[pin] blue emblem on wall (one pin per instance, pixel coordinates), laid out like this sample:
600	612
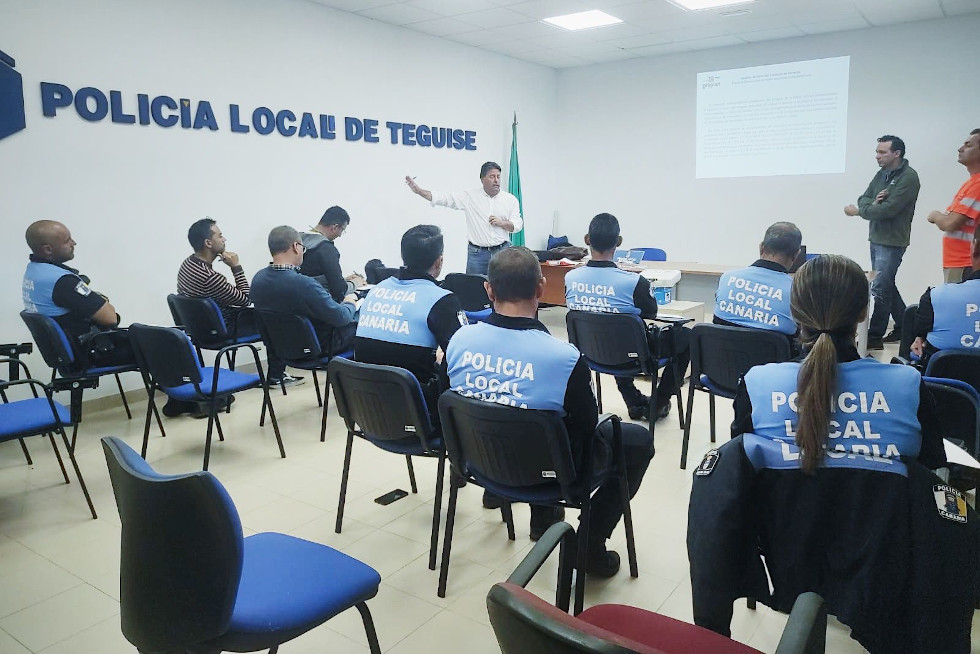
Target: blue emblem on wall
11	98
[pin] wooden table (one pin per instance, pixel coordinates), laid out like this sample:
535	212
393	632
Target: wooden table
698	280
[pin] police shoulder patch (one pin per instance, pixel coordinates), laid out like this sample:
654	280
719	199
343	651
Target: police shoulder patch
82	289
950	502
461	316
708	463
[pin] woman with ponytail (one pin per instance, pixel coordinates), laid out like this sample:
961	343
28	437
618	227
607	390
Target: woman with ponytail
832	400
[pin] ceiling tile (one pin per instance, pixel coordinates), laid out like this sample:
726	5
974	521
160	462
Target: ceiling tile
822	13
823	27
451	7
400	14
497	17
353	5
477	38
753	23
530	29
443	26
610	55
563	39
641	11
617	31
890	14
960	7
770	35
642	41
697	33
539	9
714	42
665	48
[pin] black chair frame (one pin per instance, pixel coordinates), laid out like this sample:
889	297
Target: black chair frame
510	447
201	319
403	415
10	353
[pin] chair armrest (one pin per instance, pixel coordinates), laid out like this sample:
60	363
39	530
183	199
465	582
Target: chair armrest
558	533
228	349
73	383
806	629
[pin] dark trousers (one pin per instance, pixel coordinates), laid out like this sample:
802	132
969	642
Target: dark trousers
660	342
102	349
242	323
885	261
607	503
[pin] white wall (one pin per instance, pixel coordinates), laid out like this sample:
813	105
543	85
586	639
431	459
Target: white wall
629	145
129	192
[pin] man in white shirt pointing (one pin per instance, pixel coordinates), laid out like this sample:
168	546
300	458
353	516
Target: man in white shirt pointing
491	215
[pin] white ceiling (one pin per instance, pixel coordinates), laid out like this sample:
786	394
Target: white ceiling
649	27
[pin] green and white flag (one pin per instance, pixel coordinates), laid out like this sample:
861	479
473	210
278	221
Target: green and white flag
514	182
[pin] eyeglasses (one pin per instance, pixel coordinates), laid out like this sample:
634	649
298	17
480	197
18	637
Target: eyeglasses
302	247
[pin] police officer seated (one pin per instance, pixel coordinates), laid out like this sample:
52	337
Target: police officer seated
758	296
828	477
948	317
602	287
552	376
54	289
405	319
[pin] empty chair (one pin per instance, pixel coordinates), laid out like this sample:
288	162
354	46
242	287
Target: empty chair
617	345
56	350
38	416
202	320
472	294
653	254
526	624
524	455
189	581
956	364
169	364
720	357
385	406
293	339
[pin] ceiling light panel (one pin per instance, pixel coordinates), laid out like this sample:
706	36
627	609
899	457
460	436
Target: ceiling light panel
696	5
583	20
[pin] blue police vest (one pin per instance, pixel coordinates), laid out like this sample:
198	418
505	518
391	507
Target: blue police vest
39	281
397	311
957	316
874	419
756	297
601	290
526	368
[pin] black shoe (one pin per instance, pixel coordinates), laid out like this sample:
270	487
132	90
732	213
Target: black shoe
892	337
875	344
663	411
491	501
602	563
174	408
546	516
639	412
287	381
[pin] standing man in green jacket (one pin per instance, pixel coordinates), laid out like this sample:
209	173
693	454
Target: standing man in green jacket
888	205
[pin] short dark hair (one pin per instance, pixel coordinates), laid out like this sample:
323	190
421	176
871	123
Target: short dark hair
487	167
782	238
335	216
603	232
421	246
898	145
282	238
514	274
199	232
974	132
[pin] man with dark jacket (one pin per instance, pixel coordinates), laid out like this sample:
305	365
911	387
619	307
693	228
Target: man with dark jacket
322	259
888	205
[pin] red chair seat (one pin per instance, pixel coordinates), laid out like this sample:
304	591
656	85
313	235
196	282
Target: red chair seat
660	632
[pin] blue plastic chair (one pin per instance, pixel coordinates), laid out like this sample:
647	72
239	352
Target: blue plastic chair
169	364
202	320
958	405
59	355
653	254
293	340
720	357
36	416
472	295
189	581
385	406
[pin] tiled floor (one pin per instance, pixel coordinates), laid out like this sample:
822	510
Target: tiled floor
59	568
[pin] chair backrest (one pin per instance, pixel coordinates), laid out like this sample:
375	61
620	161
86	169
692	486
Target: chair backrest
526	624
610	340
958	405
508	446
469	289
908	330
165	354
726	353
52	342
290	337
956	364
384	401
653	254
200	318
181	554
376	272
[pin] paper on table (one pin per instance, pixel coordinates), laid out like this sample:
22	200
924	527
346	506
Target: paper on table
955	454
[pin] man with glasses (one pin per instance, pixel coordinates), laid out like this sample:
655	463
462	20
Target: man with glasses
280	287
322	261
